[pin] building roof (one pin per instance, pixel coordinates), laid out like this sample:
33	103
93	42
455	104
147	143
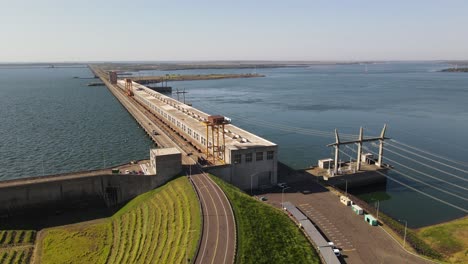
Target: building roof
235	137
165	151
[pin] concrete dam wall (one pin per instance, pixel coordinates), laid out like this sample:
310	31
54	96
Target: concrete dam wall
71	191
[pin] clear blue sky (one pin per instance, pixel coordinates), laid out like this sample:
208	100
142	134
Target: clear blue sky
82	30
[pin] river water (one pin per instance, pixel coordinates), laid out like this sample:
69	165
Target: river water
52	122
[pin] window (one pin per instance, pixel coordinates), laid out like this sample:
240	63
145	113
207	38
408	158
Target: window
259	156
190	131
248	157
237	158
270	155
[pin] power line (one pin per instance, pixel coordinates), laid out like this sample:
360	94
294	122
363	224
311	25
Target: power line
427	165
288	128
423	193
427	184
423	173
416	154
429	153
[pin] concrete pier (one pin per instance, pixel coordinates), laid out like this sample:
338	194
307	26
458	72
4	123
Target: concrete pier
369	174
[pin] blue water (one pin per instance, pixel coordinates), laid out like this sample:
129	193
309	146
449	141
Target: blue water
52	123
422	107
49	118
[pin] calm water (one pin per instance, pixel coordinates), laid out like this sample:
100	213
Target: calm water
49	117
52	123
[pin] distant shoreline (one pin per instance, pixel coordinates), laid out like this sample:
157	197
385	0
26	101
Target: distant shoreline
454	70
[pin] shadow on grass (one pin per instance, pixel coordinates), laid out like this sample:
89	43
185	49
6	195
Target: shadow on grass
36	219
63	213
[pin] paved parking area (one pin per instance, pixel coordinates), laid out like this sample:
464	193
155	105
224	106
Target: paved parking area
359	242
327	227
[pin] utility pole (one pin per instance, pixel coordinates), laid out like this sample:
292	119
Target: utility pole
181	92
404	237
361	140
282	196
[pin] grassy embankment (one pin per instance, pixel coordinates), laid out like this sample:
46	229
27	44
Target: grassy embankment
264	233
160	226
16	246
450	239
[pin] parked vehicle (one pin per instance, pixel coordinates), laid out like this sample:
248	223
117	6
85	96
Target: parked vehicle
358	210
282	185
345	200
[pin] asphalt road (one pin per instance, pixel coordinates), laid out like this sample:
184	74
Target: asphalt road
359	242
218	239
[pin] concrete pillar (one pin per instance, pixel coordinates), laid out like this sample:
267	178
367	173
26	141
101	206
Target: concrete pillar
337	157
359	151
381	145
337	151
379	161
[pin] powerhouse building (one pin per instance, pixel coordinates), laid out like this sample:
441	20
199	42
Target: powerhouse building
241	158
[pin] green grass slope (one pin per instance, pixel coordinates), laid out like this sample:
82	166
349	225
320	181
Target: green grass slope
160	226
265	234
450	239
16	246
77	243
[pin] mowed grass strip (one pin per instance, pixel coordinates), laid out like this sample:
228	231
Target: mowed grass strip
81	243
16	255
450	239
16	237
152	228
265	234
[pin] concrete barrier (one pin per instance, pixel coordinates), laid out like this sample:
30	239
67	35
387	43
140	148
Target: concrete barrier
70	191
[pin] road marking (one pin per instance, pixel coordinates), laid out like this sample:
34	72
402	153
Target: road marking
217	227
217	190
207	223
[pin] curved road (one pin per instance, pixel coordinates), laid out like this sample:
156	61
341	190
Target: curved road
218	241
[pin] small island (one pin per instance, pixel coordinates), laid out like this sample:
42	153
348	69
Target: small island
194	77
455	70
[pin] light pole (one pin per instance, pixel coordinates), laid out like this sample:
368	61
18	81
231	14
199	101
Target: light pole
404	237
346	188
378	206
282	196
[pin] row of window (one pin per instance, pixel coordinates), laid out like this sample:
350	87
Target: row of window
249	156
259	156
176	122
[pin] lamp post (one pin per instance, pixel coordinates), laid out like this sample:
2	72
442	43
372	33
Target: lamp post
282	196
346	188
404	237
378	206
